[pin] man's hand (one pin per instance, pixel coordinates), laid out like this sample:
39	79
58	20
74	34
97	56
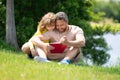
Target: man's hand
64	40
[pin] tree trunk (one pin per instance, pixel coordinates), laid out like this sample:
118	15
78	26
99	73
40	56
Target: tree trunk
10	24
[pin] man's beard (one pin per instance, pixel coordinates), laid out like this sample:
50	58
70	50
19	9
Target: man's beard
62	30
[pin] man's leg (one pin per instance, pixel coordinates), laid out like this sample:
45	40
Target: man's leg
78	57
70	55
56	56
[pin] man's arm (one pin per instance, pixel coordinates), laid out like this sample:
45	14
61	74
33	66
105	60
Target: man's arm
79	42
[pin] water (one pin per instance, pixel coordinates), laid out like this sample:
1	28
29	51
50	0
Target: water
113	42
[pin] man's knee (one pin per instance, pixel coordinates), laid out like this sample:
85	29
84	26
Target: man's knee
78	57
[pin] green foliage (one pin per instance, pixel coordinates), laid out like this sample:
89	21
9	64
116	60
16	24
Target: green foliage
2	20
106	26
111	9
25	30
96	47
75	9
4	46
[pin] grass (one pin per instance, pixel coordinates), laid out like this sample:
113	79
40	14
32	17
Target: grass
15	66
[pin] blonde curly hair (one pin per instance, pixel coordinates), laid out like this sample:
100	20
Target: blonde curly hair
47	19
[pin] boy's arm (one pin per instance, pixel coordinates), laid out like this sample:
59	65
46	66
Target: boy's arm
32	49
31	45
38	41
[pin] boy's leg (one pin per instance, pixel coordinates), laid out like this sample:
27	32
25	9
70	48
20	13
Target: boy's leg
42	55
25	48
40	52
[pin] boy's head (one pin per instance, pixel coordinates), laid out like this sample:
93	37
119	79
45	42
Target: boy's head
47	21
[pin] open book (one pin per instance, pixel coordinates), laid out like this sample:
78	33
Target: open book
58	47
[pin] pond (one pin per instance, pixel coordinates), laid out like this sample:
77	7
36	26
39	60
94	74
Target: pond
113	42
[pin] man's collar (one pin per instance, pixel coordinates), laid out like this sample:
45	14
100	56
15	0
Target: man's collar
67	28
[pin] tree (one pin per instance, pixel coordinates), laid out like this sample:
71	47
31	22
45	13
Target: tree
10	24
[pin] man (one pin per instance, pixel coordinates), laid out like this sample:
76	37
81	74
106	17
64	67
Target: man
69	35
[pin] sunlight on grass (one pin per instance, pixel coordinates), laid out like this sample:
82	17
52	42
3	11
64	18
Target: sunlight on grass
15	66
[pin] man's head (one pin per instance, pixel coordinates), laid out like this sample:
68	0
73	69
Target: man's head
61	21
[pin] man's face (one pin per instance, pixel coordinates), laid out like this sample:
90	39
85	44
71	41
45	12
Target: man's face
61	25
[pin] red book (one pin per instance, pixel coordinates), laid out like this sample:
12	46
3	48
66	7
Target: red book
58	48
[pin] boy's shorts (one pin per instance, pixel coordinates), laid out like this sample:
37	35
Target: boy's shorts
30	56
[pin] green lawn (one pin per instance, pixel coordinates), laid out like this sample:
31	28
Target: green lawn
15	66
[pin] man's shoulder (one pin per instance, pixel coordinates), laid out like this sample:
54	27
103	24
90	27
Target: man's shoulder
74	27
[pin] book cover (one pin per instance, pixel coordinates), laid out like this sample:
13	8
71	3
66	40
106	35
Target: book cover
58	48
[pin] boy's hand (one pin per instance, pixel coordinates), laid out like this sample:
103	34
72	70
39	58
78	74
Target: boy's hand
33	51
47	48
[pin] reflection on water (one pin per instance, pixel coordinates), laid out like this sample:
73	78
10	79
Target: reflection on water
113	42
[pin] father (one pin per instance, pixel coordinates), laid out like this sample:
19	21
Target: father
70	35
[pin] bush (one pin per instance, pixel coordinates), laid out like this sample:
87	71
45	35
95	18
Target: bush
4	46
96	47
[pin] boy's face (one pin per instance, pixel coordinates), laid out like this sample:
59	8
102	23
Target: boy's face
50	27
61	25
